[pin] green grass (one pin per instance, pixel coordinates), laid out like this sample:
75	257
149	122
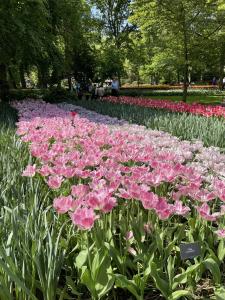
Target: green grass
168	93
204	99
186	126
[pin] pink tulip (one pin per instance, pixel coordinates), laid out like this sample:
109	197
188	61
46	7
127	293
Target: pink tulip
204	212
203	195
129	235
29	171
132	251
108	204
63	204
45	170
55	182
220	233
79	190
163	209
83	217
179	209
124	194
149	200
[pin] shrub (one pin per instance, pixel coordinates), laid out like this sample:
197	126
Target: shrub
56	95
21	94
52	95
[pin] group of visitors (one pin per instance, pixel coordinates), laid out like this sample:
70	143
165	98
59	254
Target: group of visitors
214	82
94	91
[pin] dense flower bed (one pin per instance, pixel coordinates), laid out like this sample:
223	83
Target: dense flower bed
194	108
98	167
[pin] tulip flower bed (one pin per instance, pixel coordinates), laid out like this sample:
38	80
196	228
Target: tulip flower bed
210	131
194	108
124	199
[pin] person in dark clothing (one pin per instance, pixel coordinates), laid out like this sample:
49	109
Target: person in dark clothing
93	92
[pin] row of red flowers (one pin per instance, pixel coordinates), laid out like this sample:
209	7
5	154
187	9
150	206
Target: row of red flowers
194	108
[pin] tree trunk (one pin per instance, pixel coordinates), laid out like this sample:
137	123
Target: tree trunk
39	79
169	77
55	78
185	85
59	84
69	83
221	67
42	82
12	79
4	87
119	79
138	79
178	77
189	78
22	77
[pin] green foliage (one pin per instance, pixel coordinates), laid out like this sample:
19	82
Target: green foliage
23	94
178	38
45	36
114	17
110	62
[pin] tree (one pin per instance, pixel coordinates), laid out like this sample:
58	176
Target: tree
185	22
136	57
110	62
113	15
25	36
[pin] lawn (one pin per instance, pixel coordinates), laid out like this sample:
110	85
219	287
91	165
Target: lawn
208	96
203	99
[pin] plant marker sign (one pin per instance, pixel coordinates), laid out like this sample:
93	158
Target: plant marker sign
190	250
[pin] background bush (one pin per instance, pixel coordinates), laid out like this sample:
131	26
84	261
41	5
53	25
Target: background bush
57	95
52	95
20	94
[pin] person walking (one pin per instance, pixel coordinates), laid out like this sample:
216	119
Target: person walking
214	81
115	87
100	92
93	92
223	83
